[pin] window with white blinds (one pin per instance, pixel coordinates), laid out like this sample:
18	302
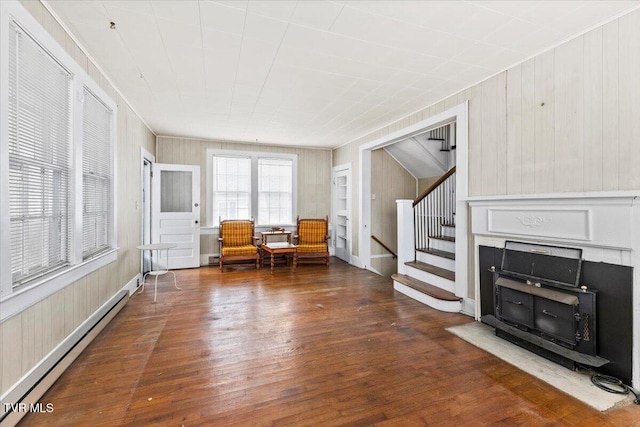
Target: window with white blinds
39	128
248	184
275	191
97	214
57	150
231	187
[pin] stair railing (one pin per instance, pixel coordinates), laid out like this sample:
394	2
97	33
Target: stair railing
435	207
381	243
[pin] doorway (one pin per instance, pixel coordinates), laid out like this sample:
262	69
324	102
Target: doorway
341	198
459	115
147	166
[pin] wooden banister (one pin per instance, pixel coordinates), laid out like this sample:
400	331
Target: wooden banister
433	186
384	246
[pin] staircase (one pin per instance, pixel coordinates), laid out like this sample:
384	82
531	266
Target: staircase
428	275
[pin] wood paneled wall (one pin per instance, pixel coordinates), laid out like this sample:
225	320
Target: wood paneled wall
30	335
389	182
563	121
424	183
314	175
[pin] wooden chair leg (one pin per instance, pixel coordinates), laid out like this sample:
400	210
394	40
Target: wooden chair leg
220	264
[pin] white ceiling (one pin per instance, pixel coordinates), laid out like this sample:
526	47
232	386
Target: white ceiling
309	73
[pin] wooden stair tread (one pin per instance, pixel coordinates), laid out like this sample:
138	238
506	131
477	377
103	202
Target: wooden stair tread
438	252
445	238
425	288
433	269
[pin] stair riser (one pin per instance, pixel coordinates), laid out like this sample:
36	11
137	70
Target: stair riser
438	261
448	306
449	231
433	279
442	245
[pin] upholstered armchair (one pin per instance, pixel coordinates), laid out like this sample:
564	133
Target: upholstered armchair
311	240
237	241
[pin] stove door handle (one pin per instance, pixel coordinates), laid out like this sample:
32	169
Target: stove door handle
514	302
548	313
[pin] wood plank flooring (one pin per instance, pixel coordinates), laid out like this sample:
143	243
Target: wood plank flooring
321	346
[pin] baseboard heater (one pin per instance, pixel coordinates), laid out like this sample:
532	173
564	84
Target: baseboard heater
34	384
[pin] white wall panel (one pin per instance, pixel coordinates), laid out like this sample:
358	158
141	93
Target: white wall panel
568	89
593	145
629	90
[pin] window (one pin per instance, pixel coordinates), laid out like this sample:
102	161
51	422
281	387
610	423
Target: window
251	184
97	221
39	125
57	217
275	191
231	187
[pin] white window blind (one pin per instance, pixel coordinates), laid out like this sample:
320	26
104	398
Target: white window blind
97	217
275	191
39	127
231	187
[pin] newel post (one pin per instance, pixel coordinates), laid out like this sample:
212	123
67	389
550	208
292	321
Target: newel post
406	243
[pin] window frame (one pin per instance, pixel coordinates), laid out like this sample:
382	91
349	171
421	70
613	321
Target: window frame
111	236
14	300
254	156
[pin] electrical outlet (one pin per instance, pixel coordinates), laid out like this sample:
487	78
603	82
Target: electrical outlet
373	196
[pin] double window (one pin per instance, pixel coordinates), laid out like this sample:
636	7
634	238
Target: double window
250	184
59	157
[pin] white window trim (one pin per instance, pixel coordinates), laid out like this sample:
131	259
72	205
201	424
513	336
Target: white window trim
78	119
14	300
254	155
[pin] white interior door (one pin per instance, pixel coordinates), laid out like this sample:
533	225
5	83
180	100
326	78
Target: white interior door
342	212
175	216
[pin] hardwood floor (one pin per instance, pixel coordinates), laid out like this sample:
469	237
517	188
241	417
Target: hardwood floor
321	346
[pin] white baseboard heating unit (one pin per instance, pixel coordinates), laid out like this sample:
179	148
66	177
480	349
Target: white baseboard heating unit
24	395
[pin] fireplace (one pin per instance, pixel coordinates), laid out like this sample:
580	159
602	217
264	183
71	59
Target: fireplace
560	275
539	305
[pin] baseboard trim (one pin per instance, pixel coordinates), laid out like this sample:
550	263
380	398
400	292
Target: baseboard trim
133	284
355	261
469	307
32	386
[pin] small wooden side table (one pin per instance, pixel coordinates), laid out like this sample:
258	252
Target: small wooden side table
285	248
267	234
277	234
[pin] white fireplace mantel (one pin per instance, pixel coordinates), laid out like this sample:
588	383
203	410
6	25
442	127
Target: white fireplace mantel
605	225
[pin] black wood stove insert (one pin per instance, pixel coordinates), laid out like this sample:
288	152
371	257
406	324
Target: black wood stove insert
539	305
